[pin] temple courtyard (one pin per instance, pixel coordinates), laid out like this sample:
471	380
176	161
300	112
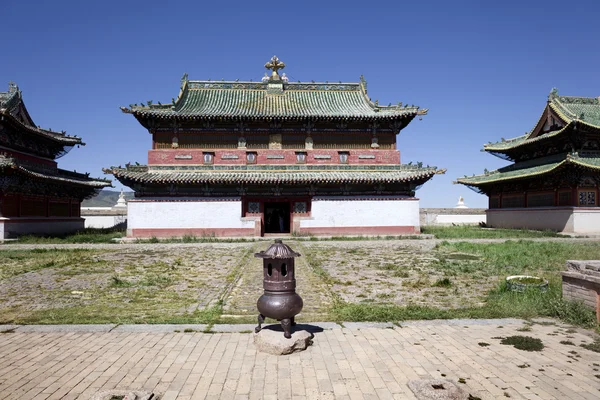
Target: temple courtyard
97	321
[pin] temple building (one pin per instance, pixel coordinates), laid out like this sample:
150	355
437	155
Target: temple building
553	181
233	158
35	195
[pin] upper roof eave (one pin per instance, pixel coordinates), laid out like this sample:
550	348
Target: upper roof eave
180	109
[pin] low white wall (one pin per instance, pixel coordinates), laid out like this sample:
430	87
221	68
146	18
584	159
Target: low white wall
353	211
586	220
560	219
103	221
189	213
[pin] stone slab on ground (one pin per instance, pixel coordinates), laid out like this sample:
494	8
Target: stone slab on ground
501	321
168	328
437	389
233	328
128	393
65	328
273	342
364	325
8	328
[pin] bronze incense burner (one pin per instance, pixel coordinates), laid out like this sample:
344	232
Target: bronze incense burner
280	300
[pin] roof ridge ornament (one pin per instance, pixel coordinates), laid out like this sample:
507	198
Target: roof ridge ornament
274	64
12	87
553	94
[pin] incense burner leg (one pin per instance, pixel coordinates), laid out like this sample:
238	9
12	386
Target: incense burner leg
261	320
293	321
286	324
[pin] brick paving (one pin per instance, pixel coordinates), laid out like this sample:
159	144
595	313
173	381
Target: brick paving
361	361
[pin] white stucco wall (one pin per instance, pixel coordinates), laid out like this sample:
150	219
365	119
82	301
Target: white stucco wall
103	221
586	220
555	219
353	211
186	214
563	219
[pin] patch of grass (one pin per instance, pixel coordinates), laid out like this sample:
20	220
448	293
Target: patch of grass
518	257
88	235
567	343
476	232
117	282
483	344
526	343
445	282
17	262
524	365
524	329
500	303
595	346
462	380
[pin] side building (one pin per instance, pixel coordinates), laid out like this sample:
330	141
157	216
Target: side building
554	179
273	157
35	195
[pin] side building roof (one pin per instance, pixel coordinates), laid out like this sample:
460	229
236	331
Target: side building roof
531	169
582	111
10	165
13	110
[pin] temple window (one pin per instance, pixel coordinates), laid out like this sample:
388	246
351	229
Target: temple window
587	198
251	158
343	157
514	201
208	158
540	200
564	198
253	207
300	207
300	157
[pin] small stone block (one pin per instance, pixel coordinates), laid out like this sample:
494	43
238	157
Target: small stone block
273	342
437	389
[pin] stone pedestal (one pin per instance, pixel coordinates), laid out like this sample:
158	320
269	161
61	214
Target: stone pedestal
581	282
273	342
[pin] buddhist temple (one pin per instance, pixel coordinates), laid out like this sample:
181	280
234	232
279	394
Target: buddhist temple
37	197
553	180
273	157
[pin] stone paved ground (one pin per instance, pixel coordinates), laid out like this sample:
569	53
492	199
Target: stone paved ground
361	361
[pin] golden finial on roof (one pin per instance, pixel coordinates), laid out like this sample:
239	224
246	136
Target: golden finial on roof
275	65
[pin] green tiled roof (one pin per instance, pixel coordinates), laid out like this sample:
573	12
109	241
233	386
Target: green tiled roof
12	101
572	110
531	168
277	175
50	174
254	100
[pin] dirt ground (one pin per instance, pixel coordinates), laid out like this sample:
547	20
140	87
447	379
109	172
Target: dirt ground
160	282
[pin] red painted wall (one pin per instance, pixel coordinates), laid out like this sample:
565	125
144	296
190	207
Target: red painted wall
168	157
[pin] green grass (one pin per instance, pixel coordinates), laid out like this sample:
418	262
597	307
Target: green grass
516	257
526	343
140	312
88	235
476	232
500	303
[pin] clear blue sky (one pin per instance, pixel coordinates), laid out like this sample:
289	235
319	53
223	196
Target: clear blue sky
484	69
